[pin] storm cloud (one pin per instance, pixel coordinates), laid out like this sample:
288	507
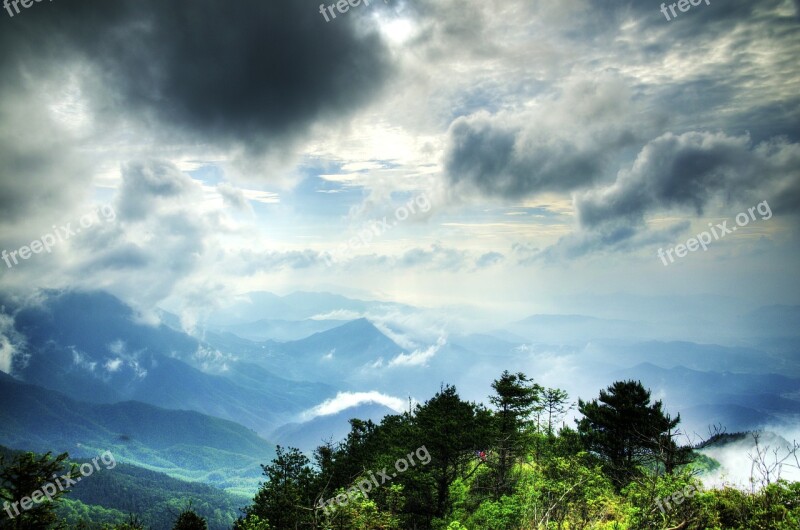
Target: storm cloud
688	171
242	74
565	143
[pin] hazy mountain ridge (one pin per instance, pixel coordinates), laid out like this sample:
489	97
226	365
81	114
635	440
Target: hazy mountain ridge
89	346
297	306
309	435
279	330
229	376
184	444
112	494
737	401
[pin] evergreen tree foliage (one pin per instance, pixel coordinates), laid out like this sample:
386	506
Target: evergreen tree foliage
515	399
627	432
188	520
286	500
21	483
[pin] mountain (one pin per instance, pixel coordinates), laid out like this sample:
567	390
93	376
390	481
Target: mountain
263	305
309	435
577	329
487	345
279	330
335	354
92	347
117	490
778	321
696	356
738	401
183	444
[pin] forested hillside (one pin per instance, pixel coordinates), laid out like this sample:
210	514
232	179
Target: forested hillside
450	464
111	496
181	443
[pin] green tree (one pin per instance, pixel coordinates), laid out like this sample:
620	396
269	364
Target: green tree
31	479
188	520
286	500
452	430
515	399
627	432
340	464
362	513
251	522
555	405
133	523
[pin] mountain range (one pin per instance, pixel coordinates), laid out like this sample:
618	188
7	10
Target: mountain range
182	443
126	381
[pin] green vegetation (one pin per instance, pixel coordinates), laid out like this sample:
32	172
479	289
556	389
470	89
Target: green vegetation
185	445
507	467
510	468
26	477
110	496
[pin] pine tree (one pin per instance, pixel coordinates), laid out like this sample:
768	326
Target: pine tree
188	520
133	523
25	480
627	431
452	431
555	404
516	397
286	499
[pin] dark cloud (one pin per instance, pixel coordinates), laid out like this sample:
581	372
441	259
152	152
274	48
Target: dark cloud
246	74
160	252
688	171
159	233
39	169
124	257
488	155
146	184
603	22
749	88
450	27
564	144
610	237
234	197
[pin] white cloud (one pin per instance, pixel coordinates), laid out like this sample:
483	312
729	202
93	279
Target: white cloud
736	460
418	357
339	314
113	365
346	400
117	347
82	361
398	338
211	360
7	348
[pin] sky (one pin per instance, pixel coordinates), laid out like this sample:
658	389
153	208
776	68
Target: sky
519	157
